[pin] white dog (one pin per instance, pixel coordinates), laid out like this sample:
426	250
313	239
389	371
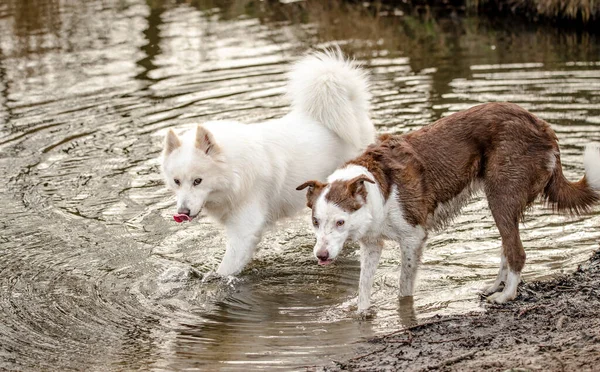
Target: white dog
245	176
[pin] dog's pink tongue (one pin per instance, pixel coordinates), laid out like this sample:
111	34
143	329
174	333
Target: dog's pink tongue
180	217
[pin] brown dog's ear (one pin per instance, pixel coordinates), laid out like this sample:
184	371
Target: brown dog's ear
171	142
314	190
356	186
205	141
307	184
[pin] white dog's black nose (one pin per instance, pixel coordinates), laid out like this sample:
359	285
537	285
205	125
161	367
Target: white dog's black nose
185	211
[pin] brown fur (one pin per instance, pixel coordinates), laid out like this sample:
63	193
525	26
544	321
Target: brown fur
349	195
314	190
564	195
501	145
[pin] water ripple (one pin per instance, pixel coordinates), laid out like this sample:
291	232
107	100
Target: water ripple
94	273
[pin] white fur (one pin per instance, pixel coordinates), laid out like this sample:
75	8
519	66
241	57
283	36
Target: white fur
348	172
412	243
501	278
330	237
370	253
510	289
250	179
591	162
332	91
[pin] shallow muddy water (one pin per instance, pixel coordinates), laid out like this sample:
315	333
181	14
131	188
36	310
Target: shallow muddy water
95	275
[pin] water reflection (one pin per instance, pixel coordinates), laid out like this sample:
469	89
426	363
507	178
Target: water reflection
35	24
406	311
94	275
6	112
152	35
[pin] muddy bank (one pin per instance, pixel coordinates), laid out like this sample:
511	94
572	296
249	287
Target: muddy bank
552	326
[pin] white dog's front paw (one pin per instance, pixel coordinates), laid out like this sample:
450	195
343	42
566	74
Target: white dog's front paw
364	310
231	280
211	276
365	314
350	305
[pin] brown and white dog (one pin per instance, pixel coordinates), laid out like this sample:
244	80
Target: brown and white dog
403	186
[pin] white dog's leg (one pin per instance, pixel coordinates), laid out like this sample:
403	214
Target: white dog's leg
370	253
244	232
502	274
412	248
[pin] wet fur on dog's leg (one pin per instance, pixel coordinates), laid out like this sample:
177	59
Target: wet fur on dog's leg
510	289
506	212
411	247
243	234
501	278
512	248
370	253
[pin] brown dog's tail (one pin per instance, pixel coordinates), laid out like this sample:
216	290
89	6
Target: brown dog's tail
576	197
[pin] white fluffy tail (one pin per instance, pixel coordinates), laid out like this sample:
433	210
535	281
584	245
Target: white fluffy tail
334	92
591	162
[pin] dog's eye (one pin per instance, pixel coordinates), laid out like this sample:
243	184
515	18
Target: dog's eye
176	181
197	181
315	222
340	223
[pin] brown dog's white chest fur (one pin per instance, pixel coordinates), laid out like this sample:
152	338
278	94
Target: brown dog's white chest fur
403	186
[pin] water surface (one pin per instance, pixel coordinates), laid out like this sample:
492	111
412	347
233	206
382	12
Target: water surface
94	274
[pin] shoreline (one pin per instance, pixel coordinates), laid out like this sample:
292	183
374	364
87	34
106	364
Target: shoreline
559	13
552	325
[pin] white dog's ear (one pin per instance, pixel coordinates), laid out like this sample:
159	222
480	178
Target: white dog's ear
171	142
205	141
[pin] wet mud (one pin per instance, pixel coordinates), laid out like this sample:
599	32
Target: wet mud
553	326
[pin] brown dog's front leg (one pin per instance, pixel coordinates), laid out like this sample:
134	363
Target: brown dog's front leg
411	246
370	253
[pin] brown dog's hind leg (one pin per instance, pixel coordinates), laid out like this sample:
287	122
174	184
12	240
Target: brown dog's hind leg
516	171
506	209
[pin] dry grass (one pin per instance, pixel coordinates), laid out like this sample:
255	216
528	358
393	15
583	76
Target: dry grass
581	11
364	29
584	11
